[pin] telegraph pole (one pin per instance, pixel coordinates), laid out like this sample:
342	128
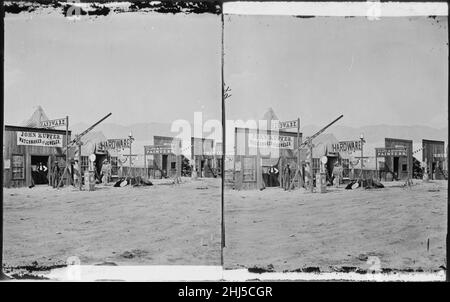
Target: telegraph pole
130	164
362	158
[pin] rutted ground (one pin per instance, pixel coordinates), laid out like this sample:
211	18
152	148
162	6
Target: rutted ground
157	225
286	231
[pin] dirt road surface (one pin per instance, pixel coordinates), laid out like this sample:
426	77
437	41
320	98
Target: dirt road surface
156	225
389	228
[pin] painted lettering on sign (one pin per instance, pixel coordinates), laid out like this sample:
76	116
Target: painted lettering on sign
114	144
25	138
53	123
382	152
347	146
439	155
271	141
158	150
284	125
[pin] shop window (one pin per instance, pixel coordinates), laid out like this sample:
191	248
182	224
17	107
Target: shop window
18	167
114	166
249	169
84	163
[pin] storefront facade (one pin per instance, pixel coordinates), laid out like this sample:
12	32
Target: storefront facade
261	157
433	156
30	153
399	164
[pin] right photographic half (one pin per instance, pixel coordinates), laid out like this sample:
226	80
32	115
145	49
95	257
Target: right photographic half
336	142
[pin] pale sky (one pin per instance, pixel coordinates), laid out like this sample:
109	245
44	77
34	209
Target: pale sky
390	71
142	67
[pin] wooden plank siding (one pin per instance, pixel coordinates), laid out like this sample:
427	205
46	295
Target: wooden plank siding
11	148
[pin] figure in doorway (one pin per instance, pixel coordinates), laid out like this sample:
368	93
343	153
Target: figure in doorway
55	175
286	177
337	174
105	172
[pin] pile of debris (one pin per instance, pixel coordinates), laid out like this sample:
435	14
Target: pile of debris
364	183
133	181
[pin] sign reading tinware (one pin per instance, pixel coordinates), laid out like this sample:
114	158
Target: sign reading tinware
54	123
270	141
347	146
25	138
382	152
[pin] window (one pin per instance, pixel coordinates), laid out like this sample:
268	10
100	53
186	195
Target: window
114	166
404	167
18	167
173	165
249	169
84	163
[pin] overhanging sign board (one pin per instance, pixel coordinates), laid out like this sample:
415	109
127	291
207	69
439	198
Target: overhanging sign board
439	155
270	141
54	123
382	152
114	144
26	138
149	150
284	125
347	146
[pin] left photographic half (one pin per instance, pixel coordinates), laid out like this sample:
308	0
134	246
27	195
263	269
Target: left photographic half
112	142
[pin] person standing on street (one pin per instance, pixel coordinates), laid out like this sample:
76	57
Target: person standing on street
55	175
287	177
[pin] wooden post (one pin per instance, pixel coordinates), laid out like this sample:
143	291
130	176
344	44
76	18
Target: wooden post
79	167
376	165
145	163
67	149
311	170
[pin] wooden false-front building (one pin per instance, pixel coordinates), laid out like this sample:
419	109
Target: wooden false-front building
261	156
433	156
401	166
29	154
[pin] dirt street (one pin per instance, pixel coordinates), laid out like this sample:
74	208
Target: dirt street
157	225
286	231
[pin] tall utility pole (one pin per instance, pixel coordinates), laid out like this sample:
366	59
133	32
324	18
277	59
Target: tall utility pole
299	166
67	149
362	158
222	238
130	164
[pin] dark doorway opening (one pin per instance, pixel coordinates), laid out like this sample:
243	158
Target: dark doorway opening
99	158
396	168
271	176
164	165
39	169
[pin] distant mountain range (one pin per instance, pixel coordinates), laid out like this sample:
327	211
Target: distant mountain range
141	131
376	133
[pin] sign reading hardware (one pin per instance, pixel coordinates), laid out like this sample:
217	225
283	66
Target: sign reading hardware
25	138
114	144
347	146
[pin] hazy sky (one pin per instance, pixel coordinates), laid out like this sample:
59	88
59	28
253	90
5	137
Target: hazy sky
142	67
389	71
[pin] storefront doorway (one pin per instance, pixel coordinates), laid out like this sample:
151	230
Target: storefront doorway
40	169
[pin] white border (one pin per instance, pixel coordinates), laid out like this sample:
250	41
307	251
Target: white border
171	273
368	9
